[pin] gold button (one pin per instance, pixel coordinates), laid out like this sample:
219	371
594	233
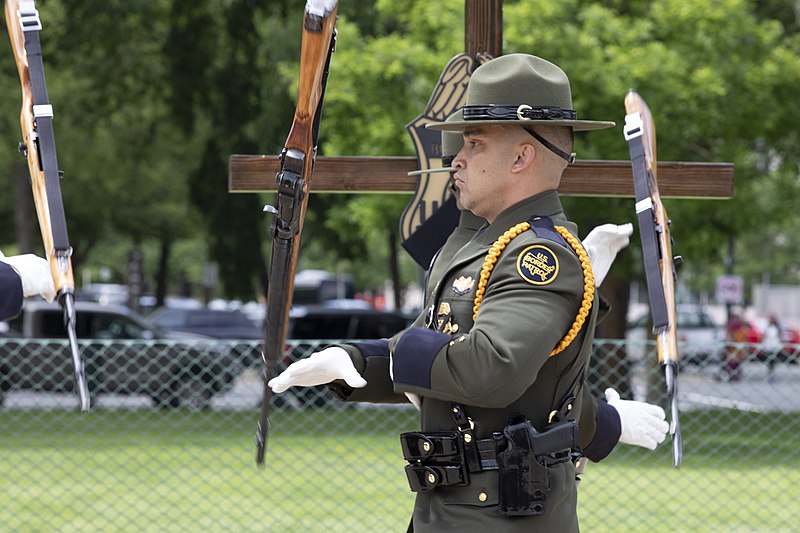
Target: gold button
467	438
431	479
426	446
482	496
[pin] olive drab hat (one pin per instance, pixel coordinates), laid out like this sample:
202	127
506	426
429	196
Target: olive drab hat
519	89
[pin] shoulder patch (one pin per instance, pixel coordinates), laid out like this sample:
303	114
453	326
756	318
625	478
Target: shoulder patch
537	264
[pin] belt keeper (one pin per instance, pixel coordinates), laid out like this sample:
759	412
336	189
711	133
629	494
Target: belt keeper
465	429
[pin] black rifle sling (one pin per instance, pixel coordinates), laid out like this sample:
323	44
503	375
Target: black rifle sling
647	232
45	137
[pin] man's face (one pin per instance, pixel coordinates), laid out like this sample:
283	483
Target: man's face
483	169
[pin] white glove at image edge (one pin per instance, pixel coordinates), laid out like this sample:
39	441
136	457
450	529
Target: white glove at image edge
34	271
642	424
320	368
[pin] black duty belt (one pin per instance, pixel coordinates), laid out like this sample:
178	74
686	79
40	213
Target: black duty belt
446	458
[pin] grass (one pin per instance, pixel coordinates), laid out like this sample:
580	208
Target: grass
341	470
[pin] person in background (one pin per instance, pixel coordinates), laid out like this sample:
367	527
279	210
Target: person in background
736	333
22	276
772	345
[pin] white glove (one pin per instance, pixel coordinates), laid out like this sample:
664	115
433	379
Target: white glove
35	274
643	424
603	244
321	367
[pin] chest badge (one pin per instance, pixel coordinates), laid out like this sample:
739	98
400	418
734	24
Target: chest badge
463	285
444	320
537	264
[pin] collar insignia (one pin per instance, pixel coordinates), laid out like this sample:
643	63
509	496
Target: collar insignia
463	285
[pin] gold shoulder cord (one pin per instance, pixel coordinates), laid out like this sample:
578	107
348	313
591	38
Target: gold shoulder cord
588	278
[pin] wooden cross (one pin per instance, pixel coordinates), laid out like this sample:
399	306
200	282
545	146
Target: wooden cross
483	33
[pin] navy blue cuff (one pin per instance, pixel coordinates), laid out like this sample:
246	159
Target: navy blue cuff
414	354
607	432
376	348
11	292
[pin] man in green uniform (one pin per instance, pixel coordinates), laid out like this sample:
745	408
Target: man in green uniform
614	420
500	357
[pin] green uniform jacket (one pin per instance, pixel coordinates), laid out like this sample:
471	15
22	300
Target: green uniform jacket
497	365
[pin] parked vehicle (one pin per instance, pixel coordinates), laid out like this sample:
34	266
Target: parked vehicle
699	337
344	319
122	352
228	324
216	323
318	286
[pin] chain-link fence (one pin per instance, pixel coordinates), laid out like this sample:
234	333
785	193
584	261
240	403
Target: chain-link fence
168	445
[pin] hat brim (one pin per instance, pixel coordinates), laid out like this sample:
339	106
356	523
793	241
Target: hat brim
576	125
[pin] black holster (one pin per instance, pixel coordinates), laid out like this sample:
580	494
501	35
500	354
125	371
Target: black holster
525	464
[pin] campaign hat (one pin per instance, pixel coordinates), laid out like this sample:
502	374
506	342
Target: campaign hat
519	89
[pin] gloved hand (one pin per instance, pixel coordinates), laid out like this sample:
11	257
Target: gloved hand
603	244
321	367
35	274
643	424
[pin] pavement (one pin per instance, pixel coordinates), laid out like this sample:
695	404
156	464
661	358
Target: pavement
698	388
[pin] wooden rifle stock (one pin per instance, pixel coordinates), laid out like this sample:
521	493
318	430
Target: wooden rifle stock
654	230
293	184
38	144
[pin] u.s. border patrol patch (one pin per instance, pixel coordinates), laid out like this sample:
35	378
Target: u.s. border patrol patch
537	264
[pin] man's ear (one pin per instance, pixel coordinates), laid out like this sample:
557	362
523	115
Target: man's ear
526	154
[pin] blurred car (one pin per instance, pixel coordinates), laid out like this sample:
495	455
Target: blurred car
229	324
699	337
122	353
344	320
317	286
104	293
217	323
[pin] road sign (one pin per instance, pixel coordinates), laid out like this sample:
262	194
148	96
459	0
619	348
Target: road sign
730	289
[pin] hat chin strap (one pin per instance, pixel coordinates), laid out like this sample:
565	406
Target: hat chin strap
569	158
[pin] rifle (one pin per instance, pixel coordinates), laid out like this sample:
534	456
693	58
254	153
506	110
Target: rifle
659	264
293	184
38	145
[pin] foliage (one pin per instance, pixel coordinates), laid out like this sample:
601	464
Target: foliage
145	123
718	78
